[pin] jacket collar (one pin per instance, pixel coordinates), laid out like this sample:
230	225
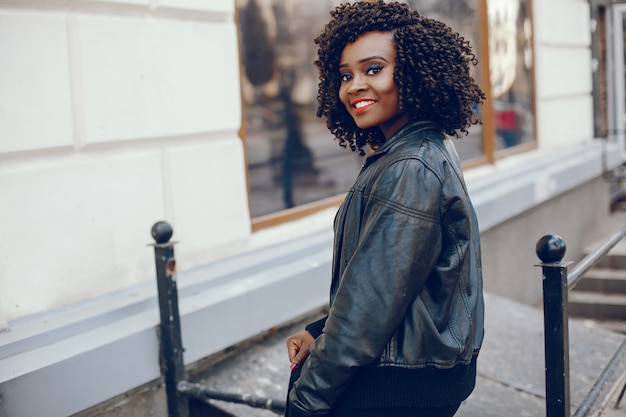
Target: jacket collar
408	129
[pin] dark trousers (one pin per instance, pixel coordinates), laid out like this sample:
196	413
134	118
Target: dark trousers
381	412
398	412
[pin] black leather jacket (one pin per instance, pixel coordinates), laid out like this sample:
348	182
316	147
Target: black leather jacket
406	307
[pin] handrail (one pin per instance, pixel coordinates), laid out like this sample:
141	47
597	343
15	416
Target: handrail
594	257
556	287
595	391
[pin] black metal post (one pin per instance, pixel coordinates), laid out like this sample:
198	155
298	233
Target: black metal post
171	347
550	249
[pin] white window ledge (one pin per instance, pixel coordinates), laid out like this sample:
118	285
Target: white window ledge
516	184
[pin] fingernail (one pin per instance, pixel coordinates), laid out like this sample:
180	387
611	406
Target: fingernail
293	366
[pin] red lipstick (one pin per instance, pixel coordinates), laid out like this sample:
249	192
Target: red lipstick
362	104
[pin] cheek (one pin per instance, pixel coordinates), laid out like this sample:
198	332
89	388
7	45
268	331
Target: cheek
391	95
387	87
343	95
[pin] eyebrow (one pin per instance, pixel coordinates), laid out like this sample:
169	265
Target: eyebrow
369	58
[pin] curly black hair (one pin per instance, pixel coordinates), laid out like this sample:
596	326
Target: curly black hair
432	70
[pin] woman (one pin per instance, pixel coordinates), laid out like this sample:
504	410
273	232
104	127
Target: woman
405	322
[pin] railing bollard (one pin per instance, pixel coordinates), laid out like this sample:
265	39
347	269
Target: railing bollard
551	249
171	349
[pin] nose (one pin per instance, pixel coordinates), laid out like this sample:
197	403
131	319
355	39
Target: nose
357	85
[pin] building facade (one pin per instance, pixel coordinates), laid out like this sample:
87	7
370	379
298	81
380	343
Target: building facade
115	114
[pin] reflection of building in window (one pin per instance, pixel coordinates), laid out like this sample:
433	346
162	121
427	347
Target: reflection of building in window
463	17
292	159
510	63
502	44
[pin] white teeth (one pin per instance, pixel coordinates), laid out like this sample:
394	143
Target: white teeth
363	103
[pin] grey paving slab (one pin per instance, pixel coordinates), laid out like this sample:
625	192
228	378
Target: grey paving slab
495	399
513	351
511	365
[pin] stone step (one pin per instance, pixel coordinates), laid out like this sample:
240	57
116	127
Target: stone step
603	280
617	326
615	259
597	305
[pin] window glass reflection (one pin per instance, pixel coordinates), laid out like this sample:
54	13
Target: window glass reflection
463	17
511	62
292	158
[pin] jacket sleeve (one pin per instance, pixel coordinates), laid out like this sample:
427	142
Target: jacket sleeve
316	327
399	241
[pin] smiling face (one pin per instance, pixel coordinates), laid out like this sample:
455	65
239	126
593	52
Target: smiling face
367	87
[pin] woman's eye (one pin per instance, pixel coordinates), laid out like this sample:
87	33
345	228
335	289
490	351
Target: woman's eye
373	69
345	77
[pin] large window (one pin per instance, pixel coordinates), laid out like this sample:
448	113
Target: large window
294	165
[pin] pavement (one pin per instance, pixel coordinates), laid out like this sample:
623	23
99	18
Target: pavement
511	376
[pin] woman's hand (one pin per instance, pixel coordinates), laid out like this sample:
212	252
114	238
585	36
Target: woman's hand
298	347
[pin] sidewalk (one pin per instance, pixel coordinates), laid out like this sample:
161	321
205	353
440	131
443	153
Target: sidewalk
510	367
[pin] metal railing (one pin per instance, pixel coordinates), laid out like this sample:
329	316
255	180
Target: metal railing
556	286
182	396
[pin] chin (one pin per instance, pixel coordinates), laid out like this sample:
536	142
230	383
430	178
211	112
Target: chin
363	126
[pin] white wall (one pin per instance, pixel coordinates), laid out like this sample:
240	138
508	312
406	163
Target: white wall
114	115
563	81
